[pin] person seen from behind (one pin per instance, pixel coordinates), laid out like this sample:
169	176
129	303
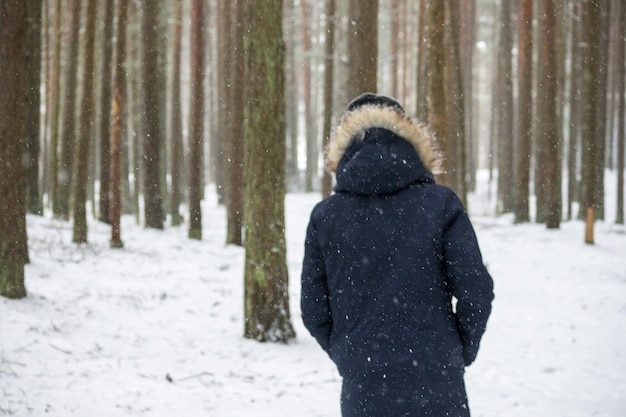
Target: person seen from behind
385	256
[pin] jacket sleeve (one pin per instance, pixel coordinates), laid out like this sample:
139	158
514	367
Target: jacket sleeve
314	297
468	278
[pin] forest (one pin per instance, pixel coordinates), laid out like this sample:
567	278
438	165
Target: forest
117	107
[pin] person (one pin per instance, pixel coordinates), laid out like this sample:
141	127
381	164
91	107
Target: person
385	256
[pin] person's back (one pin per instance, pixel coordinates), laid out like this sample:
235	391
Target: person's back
384	256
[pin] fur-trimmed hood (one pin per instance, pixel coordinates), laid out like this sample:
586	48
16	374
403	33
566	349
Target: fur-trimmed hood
385	133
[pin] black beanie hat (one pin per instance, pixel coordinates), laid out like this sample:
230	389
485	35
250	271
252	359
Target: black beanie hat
371	98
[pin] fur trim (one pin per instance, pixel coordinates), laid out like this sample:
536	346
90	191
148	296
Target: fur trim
353	125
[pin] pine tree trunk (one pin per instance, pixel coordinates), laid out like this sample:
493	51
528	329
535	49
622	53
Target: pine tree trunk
85	130
548	94
105	112
176	121
152	140
13	88
455	103
329	50
54	105
590	37
362	50
33	75
435	21
620	109
574	111
61	205
235	206
117	116
267	316
503	137
196	118
524	111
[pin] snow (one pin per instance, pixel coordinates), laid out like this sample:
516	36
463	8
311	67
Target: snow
155	329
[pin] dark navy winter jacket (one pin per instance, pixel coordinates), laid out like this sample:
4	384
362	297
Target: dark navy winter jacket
386	254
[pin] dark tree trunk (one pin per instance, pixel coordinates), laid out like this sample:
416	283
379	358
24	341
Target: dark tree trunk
85	130
33	79
503	106
435	22
196	118
235	203
524	111
362	51
176	121
152	140
548	94
61	205
620	109
589	91
13	88
105	113
329	50
455	104
267	313
117	116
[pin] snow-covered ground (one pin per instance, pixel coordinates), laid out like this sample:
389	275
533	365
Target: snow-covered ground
155	329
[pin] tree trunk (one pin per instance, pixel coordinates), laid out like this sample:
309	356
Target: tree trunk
13	89
291	91
152	140
574	111
85	130
61	205
455	104
548	94
267	316
176	121
421	105
235	205
196	119
503	137
524	111
54	105
33	100
435	21
620	109
117	116
589	89
105	113
329	51
362	50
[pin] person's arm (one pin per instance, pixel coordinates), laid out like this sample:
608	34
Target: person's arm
468	278
314	298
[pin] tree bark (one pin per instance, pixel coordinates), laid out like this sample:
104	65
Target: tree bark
33	100
61	205
589	90
152	140
503	137
105	114
117	116
267	316
176	121
524	111
620	109
196	119
552	140
85	130
329	51
235	203
455	104
435	22
362	50
13	89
